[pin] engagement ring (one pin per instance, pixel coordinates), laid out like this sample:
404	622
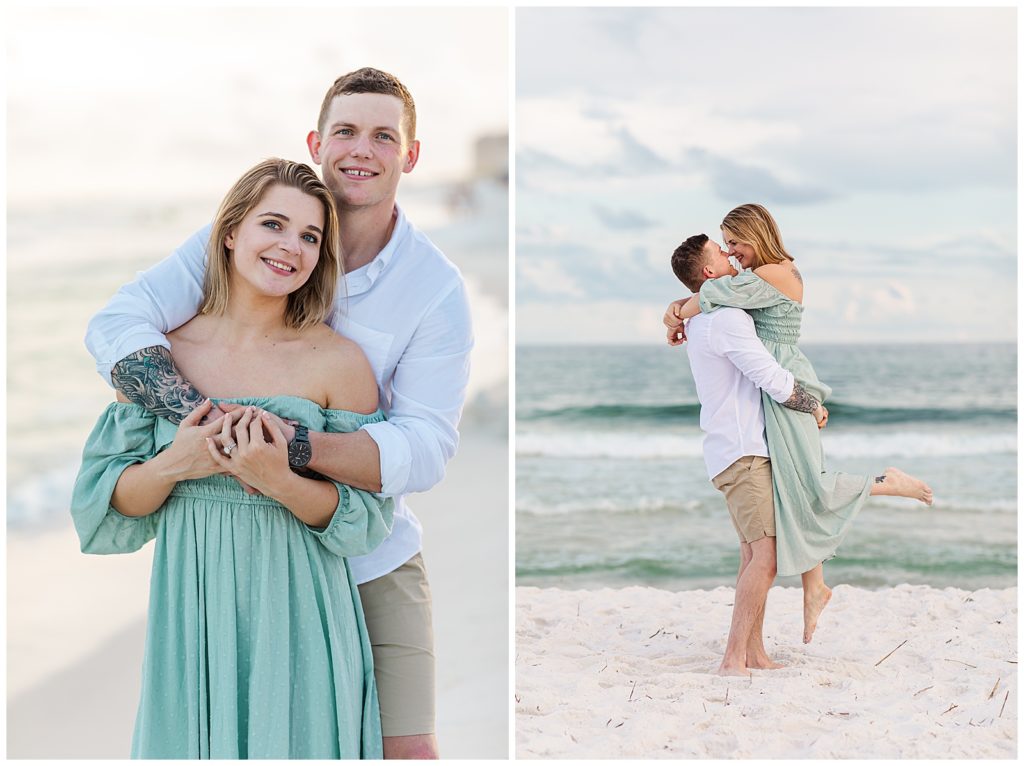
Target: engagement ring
228	448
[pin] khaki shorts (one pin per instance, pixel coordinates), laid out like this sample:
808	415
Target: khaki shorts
747	486
398	619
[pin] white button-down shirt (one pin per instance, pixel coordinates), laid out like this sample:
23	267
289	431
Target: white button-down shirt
730	366
407	310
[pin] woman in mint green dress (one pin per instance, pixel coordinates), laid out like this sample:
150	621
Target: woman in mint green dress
255	645
814	507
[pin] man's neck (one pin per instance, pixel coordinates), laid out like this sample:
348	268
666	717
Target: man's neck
364	232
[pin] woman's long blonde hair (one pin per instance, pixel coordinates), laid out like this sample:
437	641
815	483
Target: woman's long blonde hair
753	225
310	304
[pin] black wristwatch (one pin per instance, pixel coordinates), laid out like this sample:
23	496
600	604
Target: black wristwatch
300	452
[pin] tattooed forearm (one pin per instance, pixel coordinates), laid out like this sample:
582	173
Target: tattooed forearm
149	378
801	400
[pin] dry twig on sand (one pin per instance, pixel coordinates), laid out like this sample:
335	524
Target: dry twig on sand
890	654
994	688
1004	703
961	662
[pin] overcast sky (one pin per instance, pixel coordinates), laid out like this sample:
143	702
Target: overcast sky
124	101
882	140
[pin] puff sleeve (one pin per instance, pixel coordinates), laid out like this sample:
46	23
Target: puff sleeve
746	290
123	436
362	519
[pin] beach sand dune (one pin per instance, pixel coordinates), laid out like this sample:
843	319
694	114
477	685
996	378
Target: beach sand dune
904	672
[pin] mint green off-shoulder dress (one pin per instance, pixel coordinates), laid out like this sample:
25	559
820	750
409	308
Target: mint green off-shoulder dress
814	508
256	645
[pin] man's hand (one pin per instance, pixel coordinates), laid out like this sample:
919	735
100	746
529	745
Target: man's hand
676	332
676	335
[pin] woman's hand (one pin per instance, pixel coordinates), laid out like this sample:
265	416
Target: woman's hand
821	415
187	457
249	457
287	426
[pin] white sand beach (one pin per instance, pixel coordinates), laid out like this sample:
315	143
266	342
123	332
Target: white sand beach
76	624
904	672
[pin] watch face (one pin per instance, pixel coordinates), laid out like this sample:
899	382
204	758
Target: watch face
299	453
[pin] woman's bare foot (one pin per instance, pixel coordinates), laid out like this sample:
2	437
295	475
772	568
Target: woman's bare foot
898	484
814	603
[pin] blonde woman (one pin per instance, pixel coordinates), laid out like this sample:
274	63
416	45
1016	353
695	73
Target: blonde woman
814	508
256	645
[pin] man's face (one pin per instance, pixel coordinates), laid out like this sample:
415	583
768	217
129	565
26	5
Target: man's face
363	149
716	261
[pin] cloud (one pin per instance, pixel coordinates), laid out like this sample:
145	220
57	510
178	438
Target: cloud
602	111
547	278
940	114
609	270
603	321
623	219
636	156
891	300
534	159
732	181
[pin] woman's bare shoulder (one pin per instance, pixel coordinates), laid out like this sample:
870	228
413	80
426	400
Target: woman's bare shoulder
784	277
342	371
194	331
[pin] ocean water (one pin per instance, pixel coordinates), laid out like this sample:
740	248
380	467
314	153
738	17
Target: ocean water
611	487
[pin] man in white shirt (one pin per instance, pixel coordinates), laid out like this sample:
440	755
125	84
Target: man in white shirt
405	305
730	367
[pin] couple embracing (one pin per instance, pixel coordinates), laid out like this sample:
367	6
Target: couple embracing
761	413
283	380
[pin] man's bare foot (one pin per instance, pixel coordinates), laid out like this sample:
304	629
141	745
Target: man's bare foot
762	662
731	670
814	603
899	484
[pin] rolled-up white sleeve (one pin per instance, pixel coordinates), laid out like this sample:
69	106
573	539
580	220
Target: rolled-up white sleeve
428	391
737	340
160	299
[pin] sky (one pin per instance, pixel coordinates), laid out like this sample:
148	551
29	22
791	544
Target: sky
883	141
123	101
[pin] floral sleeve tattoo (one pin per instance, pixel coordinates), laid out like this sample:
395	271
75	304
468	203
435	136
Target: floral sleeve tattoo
149	378
801	400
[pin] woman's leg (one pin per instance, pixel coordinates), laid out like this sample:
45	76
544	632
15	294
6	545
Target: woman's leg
816	596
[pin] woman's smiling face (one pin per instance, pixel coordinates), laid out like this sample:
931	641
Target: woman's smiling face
743	251
277	245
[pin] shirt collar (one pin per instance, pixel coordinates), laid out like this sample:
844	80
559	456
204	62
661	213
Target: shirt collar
362	279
